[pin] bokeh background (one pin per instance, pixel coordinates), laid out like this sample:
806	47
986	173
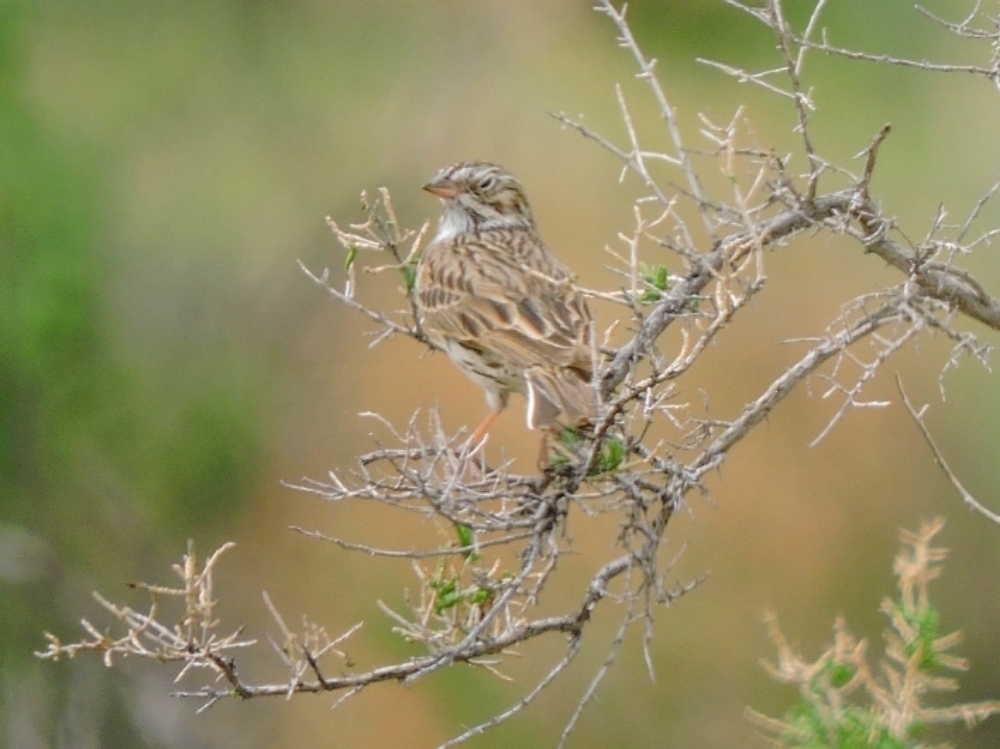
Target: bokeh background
165	365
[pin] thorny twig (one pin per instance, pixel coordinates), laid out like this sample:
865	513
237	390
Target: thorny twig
918	419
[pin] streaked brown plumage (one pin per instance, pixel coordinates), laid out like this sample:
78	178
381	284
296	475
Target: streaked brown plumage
500	304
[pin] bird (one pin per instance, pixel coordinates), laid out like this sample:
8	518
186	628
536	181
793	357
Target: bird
492	295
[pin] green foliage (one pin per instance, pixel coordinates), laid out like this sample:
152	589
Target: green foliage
610	457
841	674
449	593
844	704
466	539
926	627
655	278
352	255
573	442
409	271
855	729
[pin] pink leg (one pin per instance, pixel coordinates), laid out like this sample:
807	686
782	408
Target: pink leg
480	434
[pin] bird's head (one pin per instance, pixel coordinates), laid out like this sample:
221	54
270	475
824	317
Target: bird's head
479	196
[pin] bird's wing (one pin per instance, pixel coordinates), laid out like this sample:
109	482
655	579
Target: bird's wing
528	314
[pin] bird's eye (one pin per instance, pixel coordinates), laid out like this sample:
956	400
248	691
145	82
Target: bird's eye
488	183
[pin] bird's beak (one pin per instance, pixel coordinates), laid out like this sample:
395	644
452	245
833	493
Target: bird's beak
442	187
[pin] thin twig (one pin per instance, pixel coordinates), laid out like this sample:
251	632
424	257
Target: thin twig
918	418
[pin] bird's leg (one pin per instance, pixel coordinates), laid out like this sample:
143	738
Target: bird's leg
543	450
480	434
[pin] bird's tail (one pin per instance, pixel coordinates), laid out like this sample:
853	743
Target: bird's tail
562	392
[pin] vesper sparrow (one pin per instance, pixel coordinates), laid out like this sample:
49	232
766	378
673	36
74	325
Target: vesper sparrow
501	305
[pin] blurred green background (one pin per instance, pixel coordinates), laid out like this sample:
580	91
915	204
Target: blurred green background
164	364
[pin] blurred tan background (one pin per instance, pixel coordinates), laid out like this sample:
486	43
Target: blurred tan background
164	364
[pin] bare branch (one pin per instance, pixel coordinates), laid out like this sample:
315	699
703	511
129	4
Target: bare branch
918	419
